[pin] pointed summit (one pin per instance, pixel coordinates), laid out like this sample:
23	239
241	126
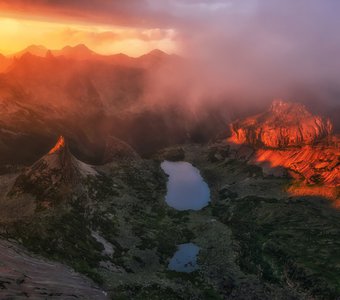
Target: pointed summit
80	51
55	172
157	52
59	146
36	50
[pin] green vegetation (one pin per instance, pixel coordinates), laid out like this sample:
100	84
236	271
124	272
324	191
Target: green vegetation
267	247
293	241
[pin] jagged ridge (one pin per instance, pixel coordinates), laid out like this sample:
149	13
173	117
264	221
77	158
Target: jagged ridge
285	124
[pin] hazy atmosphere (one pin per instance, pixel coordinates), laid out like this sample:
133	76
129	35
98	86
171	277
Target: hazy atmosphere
170	149
282	49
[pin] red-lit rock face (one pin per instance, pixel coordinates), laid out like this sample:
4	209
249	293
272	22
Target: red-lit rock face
58	146
314	165
285	124
315	169
289	136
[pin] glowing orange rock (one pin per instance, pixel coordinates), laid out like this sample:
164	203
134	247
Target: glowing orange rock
285	124
288	136
317	165
58	146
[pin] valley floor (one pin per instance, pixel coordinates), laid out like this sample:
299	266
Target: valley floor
256	241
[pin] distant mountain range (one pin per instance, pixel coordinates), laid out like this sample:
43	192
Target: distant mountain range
82	52
89	97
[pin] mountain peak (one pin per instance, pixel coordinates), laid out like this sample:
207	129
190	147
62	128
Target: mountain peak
117	150
77	47
60	145
36	47
156	52
80	49
285	124
37	50
279	106
52	173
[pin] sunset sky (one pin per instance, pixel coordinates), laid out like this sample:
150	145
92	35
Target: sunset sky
105	26
137	26
252	45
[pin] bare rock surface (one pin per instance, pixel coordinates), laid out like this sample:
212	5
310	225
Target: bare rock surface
285	124
23	276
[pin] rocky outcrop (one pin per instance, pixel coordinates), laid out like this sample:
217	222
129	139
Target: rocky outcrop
285	124
55	171
23	275
319	164
117	150
288	139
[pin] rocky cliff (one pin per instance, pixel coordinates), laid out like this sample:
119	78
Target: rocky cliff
54	173
285	124
289	138
319	164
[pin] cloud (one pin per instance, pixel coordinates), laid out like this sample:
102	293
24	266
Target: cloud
250	52
101	37
267	49
138	13
253	50
126	13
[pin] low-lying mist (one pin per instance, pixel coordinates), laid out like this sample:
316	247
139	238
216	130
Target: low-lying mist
247	53
235	57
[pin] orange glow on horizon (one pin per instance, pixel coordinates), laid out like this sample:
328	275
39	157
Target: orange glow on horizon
18	33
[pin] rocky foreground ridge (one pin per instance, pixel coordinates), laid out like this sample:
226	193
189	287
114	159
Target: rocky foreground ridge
23	276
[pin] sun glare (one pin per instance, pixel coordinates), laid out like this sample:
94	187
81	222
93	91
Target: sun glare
17	34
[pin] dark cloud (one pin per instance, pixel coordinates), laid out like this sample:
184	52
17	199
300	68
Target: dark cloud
127	12
165	13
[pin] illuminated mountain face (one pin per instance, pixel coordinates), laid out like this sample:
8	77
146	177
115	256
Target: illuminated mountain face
285	124
289	136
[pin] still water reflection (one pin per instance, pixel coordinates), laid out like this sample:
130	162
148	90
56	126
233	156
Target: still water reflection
186	188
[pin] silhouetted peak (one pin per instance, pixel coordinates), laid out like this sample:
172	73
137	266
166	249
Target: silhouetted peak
36	50
157	52
78	49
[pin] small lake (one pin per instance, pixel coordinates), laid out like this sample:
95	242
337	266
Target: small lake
185	259
186	188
